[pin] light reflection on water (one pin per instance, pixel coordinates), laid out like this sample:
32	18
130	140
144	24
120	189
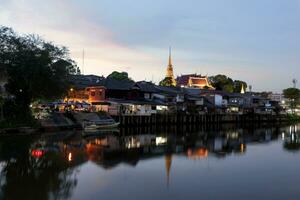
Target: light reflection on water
147	163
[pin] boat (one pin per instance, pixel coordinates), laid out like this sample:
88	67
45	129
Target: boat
100	123
95	126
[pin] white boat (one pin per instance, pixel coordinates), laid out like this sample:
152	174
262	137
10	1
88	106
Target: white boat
95	127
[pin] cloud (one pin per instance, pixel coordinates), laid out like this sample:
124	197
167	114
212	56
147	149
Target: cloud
244	39
65	24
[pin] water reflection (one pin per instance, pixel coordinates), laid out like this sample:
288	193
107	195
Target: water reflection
47	167
23	174
291	137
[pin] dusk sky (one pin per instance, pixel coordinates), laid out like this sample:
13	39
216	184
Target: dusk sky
257	41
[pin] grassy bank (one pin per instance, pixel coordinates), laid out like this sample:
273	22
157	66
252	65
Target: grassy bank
293	118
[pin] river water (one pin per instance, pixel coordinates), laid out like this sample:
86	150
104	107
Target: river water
225	162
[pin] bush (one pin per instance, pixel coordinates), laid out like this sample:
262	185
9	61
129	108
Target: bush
16	116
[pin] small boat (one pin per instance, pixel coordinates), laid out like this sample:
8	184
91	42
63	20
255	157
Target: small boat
95	126
93	122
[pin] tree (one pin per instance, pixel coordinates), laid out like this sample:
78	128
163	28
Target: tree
222	82
238	86
293	94
1	108
121	76
228	88
166	82
36	69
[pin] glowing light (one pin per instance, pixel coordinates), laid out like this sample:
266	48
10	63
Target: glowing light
160	140
197	154
70	157
37	153
242	147
282	135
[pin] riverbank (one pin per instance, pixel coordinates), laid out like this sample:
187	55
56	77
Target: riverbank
69	121
199	119
293	118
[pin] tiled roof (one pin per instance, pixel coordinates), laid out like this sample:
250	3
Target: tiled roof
83	81
168	90
113	84
198	81
146	86
184	79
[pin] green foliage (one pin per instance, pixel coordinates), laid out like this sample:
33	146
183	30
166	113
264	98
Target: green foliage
16	115
293	118
228	88
238	86
293	94
224	83
166	82
122	76
1	108
35	69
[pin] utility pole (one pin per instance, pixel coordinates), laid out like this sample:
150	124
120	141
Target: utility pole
82	62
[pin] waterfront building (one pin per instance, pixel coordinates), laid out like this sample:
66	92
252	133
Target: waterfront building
87	89
279	97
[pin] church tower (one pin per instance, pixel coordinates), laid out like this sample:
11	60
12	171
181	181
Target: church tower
170	73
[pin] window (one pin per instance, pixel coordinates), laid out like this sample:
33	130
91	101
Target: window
147	96
93	94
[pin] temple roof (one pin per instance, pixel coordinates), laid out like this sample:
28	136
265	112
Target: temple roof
198	81
192	79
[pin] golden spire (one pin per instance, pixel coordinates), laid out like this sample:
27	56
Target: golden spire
170	73
170	58
242	89
168	162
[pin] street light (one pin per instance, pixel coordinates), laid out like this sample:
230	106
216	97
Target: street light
71	94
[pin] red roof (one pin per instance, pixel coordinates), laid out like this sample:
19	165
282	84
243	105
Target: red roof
184	79
198	81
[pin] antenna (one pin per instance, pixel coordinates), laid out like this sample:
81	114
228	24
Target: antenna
82	62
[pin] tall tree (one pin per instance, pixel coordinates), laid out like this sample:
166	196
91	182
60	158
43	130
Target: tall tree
238	86
36	69
222	82
293	94
166	82
225	83
121	76
1	108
